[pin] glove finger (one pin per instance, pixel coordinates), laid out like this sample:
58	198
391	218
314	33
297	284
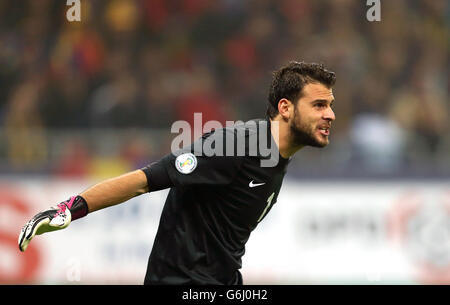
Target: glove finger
29	231
39	220
21	240
34	224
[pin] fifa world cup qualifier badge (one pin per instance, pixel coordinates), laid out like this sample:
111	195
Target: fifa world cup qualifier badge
186	163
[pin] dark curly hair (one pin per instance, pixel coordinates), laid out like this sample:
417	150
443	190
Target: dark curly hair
288	82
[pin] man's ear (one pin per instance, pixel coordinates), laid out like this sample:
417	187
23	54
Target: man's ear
285	109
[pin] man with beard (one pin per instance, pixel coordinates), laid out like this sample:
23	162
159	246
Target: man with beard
215	201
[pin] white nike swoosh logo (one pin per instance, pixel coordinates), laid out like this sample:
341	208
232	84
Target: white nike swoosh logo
251	184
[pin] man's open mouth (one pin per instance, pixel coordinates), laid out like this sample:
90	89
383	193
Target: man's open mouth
324	131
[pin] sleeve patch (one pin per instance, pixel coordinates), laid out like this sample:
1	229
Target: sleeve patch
186	163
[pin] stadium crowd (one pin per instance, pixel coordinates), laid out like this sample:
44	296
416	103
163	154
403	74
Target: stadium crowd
143	64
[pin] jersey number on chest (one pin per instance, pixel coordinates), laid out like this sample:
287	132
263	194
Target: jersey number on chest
269	202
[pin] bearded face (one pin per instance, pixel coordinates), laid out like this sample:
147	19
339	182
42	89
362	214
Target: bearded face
304	133
311	123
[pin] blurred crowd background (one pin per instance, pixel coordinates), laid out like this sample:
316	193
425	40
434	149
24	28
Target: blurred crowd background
98	97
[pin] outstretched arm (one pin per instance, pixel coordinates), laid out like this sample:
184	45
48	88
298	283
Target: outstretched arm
104	194
115	190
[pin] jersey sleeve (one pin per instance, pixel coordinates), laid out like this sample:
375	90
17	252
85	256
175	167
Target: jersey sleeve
157	177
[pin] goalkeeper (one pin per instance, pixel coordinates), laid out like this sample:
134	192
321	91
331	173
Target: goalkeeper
214	201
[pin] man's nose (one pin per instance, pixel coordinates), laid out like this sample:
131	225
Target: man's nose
329	114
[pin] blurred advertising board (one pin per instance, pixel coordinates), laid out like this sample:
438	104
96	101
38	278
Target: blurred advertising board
323	232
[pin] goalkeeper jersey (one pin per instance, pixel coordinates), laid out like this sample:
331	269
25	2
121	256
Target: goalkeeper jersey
214	203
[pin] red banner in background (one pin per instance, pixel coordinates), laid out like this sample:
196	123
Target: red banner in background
15	267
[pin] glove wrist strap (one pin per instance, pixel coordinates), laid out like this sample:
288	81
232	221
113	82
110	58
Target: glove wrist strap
77	206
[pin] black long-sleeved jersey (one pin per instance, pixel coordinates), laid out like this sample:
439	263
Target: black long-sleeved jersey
213	205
